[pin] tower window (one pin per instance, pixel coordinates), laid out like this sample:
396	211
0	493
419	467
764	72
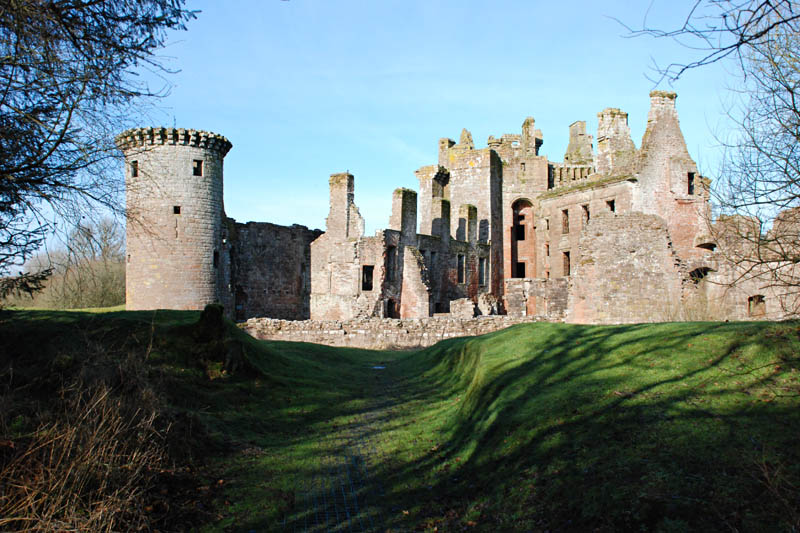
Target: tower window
585	209
134	169
611	205
197	167
216	259
482	273
547	249
565	221
756	305
461	269
690	183
566	264
176	210
366	277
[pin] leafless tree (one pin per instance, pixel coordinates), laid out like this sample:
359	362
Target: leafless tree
69	80
757	191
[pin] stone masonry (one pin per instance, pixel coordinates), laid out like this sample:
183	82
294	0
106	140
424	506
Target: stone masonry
616	234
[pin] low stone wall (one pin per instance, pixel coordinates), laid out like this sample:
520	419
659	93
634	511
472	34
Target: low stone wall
378	333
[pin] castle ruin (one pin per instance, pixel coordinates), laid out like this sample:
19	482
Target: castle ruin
613	234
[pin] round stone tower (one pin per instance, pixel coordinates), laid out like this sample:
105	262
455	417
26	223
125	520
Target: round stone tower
173	180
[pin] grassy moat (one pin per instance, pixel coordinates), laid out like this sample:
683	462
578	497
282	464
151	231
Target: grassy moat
168	421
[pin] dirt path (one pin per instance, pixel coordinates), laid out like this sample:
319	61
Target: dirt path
343	493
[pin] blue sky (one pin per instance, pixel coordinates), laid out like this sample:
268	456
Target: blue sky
306	88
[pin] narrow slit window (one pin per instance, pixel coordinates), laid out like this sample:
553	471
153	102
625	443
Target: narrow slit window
547	249
565	221
566	264
134	169
690	183
176	210
586	215
391	262
216	259
366	277
547	224
461	268
197	167
611	205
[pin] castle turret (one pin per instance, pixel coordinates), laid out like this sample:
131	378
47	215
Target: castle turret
579	150
173	181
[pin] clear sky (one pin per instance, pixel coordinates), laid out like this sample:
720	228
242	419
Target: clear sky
307	88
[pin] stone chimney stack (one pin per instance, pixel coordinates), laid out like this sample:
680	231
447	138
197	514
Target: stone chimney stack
615	149
404	214
579	150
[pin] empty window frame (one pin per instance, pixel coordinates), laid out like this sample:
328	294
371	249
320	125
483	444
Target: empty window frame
519	269
756	306
461	267
565	221
366	277
216	259
690	183
522	168
585	214
547	249
566	264
483	274
176	210
134	169
611	205
519	232
197	167
391	262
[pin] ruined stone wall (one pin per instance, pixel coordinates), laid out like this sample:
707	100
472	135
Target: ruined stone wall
627	272
551	231
174	181
271	270
378	333
542	298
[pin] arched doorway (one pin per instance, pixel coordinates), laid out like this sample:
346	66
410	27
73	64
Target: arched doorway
523	240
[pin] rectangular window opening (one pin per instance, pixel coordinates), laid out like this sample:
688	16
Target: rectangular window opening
391	262
134	169
519	269
482	274
611	205
547	249
690	183
176	210
522	167
547	224
461	269
586	216
565	221
566	264
366	277
197	167
216	259
756	305
519	232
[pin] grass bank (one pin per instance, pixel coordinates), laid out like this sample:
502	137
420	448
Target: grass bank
668	427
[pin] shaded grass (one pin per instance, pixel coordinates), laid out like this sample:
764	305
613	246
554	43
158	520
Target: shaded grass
667	427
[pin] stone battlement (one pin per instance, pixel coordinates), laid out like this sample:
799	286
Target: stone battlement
144	137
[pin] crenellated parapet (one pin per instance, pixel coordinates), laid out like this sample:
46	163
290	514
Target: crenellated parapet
564	174
147	137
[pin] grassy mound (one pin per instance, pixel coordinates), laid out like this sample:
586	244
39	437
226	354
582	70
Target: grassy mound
670	427
666	427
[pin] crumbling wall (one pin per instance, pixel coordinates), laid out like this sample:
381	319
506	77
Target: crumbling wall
377	333
271	270
540	298
627	272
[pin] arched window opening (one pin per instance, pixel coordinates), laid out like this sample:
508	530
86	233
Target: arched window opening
756	306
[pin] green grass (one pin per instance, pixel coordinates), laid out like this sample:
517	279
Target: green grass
668	427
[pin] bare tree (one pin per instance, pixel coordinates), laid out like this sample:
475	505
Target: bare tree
68	82
757	192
